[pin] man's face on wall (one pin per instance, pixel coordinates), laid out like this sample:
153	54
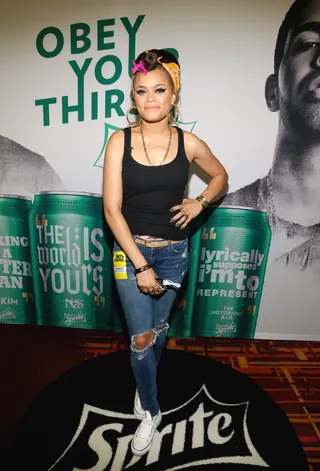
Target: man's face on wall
299	74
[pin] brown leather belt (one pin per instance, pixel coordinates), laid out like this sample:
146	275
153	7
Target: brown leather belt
154	243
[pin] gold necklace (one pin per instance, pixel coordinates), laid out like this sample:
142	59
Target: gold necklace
145	149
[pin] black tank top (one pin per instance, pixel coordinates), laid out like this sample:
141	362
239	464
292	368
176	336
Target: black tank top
150	192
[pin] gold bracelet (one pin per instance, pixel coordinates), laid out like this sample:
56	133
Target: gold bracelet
203	201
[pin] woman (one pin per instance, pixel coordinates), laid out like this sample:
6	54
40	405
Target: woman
146	170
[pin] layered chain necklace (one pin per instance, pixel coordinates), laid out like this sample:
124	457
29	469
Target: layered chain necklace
145	149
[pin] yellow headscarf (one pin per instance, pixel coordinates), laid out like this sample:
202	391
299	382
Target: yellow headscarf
174	71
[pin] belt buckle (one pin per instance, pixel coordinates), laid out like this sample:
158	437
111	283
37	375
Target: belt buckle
143	242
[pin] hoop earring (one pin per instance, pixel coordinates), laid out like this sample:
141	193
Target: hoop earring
174	115
132	123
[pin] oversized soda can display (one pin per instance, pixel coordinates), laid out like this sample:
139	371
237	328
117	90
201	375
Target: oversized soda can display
233	257
16	291
71	260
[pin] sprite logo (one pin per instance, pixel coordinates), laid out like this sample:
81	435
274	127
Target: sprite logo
9	314
108	434
78	318
225	329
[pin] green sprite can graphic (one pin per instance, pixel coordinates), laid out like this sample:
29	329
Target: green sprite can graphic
16	290
233	257
71	260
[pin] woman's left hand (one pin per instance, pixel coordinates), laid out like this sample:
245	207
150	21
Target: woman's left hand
188	210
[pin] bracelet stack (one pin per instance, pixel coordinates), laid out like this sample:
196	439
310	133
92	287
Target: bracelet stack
203	201
142	269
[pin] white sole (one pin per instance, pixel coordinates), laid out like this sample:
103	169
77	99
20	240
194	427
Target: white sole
145	450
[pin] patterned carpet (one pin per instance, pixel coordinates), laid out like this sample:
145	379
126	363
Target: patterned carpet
288	371
33	356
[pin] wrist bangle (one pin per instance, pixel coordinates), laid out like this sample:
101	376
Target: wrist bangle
143	268
203	201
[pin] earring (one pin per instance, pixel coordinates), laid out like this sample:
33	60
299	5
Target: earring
174	115
132	123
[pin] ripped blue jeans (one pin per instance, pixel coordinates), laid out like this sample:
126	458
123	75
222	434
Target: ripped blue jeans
145	313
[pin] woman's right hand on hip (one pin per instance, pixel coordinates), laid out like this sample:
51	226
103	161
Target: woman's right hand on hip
147	282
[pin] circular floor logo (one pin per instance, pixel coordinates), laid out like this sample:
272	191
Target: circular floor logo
212	416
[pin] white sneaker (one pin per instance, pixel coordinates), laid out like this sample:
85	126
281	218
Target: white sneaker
137	408
143	437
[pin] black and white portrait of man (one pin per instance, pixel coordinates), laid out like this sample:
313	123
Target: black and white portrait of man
23	172
290	192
